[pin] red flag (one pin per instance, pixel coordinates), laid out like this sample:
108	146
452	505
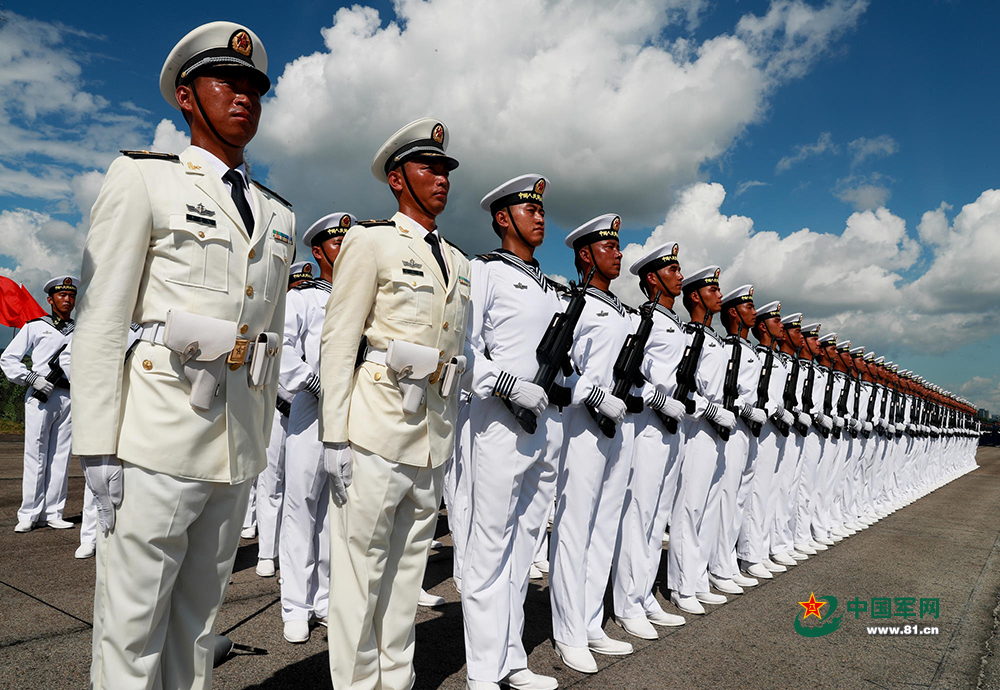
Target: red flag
17	307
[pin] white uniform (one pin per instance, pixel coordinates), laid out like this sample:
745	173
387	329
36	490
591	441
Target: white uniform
694	525
304	544
270	485
593	477
511	472
814	382
784	486
655	465
48	429
166	235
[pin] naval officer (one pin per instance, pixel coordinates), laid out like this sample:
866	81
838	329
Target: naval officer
47	424
401	292
196	252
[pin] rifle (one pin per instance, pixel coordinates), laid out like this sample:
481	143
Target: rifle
871	405
627	367
857	402
686	369
788	397
762	389
56	375
552	354
730	389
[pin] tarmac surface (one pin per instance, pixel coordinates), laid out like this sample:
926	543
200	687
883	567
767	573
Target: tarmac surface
945	546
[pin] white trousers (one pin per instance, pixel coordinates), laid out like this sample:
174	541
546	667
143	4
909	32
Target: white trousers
783	492
812	450
88	526
648	500
48	437
694	522
379	542
162	574
512	476
304	544
593	477
271	490
733	491
457	491
823	491
754	542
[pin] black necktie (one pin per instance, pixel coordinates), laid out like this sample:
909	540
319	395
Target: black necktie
236	183
432	239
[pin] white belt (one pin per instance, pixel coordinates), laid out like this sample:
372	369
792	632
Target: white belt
241	353
375	356
153	332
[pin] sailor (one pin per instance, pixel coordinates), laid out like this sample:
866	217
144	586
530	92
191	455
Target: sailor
48	429
390	423
738	316
511	473
304	543
696	516
593	466
843	371
766	445
198	254
658	441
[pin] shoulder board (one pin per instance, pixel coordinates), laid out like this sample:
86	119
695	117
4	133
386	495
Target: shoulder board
47	319
689	327
272	193
373	223
557	286
460	250
490	256
629	310
152	154
303	285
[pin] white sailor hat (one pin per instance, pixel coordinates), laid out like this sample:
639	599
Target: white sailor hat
654	260
212	45
828	339
741	295
604	227
769	311
423	138
844	346
523	189
880	360
870	357
857	351
811	330
331	225
792	320
701	278
62	284
302	270
888	365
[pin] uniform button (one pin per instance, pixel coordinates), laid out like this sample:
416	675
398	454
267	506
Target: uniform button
201	233
147	365
249	290
243	329
414	283
378	376
445	325
449	299
441	353
253	253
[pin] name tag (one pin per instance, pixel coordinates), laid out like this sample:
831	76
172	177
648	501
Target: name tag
411	272
201	221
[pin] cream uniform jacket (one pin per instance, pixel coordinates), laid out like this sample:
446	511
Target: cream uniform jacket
388	285
165	234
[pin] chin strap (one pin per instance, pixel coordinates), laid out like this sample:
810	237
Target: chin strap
590	248
513	224
413	196
205	117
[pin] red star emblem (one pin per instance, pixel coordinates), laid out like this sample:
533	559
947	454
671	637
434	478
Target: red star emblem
812	606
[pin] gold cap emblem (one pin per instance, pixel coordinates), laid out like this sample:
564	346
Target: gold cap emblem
345	221
437	134
241	43
540	186
616	223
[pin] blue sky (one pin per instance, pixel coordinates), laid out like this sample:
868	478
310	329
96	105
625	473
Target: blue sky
882	105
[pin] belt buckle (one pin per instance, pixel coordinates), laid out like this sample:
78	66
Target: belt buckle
436	376
238	355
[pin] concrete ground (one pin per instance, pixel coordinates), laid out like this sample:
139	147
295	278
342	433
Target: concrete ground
945	546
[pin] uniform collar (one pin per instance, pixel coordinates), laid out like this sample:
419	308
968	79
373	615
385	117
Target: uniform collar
607	297
404	221
221	168
533	270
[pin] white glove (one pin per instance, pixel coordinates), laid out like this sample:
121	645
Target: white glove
804	419
529	396
753	415
660	402
868	427
838	421
787	417
853	423
339	463
721	416
608	405
43	385
103	475
826	421
892	429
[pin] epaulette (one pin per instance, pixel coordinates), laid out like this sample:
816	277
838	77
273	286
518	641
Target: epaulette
629	310
489	256
302	285
557	286
372	223
46	319
272	193
461	251
152	154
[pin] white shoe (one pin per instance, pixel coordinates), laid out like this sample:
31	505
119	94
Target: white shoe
840	532
816	546
85	550
665	620
710	598
59	523
480	685
687	604
534	573
458	584
542	565
577	658
772	566
638	627
24	526
783	559
605	645
265	567
806	549
854	526
797	555
321	620
758	571
248	533
725	585
743	581
296	632
429	600
823	541
526	679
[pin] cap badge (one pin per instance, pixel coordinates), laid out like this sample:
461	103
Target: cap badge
717	272
437	134
540	186
241	43
616	223
67	281
307	269
345	221
677	248
751	291
778	308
